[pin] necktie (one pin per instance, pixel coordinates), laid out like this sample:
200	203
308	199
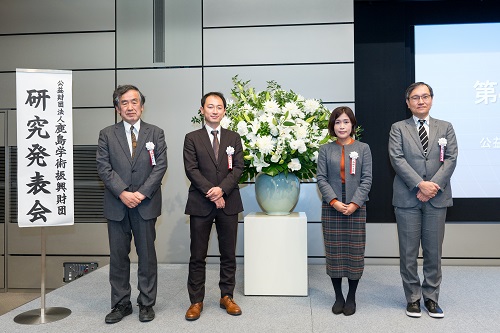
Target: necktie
422	133
215	144
134	140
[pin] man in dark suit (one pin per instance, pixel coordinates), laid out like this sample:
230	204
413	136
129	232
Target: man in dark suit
131	162
213	161
423	152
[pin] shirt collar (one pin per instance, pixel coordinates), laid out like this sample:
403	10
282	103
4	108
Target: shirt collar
416	120
137	126
210	129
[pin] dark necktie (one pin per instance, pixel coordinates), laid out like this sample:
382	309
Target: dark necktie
215	144
134	140
422	133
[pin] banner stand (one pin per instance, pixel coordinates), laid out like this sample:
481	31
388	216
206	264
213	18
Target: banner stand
42	315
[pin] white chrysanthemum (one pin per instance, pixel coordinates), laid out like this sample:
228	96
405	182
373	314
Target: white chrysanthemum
301	132
292	108
271	106
267	118
300	98
265	144
298	145
225	122
294	164
242	128
311	105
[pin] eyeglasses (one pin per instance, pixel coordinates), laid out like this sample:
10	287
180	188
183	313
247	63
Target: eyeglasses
417	98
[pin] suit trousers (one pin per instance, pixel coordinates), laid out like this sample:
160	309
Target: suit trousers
227	231
120	237
423	224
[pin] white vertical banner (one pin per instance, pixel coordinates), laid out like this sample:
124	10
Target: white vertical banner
44	148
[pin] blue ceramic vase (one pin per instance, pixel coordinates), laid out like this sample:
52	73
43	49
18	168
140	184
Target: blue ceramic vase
277	195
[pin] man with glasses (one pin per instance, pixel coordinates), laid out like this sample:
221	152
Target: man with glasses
423	152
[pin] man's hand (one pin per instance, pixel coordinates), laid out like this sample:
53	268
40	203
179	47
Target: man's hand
428	189
130	199
220	203
214	194
139	195
422	197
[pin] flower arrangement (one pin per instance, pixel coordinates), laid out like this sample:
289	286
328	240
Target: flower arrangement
280	130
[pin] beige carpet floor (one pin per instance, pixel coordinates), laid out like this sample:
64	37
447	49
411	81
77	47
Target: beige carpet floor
11	300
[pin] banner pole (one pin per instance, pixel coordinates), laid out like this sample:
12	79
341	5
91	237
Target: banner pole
42	275
42	315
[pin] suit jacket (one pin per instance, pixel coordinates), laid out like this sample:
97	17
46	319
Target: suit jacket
120	172
204	172
412	166
357	186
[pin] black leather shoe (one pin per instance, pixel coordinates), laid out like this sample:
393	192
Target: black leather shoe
146	313
433	309
338	306
413	309
349	308
118	312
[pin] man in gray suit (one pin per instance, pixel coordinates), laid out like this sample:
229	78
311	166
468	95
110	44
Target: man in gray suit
423	152
213	161
131	161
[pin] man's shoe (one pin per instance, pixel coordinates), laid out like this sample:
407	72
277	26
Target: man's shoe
231	307
146	313
413	309
433	309
118	312
194	311
338	306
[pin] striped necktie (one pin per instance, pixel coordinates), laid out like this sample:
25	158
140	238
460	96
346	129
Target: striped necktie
422	133
134	140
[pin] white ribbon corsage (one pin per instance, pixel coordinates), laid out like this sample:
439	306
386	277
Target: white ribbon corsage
230	153
442	143
151	149
354	156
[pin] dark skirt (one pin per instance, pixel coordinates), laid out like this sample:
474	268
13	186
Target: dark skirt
345	238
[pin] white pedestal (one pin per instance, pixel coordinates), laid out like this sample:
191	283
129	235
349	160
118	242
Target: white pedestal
275	252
